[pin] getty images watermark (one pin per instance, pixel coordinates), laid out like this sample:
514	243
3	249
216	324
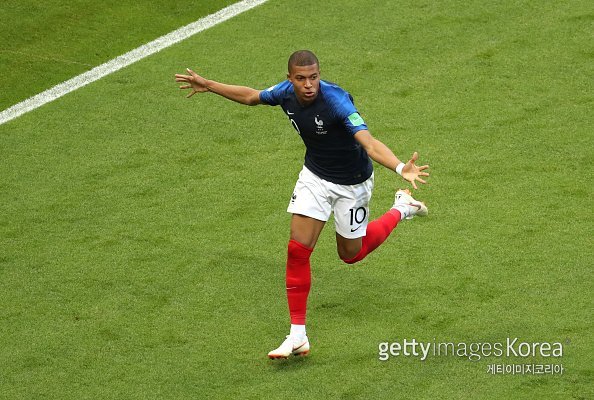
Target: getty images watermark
475	351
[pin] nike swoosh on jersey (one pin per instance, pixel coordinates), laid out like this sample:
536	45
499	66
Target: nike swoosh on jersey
353	230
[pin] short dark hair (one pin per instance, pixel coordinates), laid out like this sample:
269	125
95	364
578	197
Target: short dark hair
301	58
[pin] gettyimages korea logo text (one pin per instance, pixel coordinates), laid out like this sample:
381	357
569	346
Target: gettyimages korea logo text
475	351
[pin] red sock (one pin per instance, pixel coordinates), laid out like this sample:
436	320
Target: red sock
377	232
298	280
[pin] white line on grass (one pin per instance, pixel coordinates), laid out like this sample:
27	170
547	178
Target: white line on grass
126	59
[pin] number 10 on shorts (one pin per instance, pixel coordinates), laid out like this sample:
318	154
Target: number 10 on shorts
358	215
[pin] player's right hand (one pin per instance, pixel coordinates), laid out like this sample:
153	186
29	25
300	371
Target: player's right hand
194	81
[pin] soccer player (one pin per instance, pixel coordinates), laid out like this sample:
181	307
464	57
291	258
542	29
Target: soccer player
337	176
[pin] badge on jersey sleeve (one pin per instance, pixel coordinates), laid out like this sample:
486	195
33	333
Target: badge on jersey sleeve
356	119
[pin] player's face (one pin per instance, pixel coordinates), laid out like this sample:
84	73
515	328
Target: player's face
306	81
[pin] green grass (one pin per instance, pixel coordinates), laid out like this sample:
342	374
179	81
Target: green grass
45	43
143	235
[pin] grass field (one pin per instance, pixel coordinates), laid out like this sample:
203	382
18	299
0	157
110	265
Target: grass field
143	235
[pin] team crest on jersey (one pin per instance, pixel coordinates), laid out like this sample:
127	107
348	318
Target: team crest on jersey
320	126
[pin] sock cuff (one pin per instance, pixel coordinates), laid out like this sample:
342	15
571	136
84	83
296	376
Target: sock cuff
396	213
355	259
360	255
300	247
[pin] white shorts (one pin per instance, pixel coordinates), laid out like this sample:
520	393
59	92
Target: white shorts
317	198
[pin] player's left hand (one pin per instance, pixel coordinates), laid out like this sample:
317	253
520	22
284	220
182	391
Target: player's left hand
412	173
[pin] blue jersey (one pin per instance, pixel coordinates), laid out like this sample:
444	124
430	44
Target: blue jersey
327	127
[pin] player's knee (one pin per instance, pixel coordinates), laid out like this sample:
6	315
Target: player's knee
348	257
298	250
348	249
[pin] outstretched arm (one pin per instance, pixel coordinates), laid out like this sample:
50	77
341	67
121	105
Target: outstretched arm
381	154
198	84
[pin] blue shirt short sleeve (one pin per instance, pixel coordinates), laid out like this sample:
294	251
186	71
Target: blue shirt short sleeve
342	105
274	95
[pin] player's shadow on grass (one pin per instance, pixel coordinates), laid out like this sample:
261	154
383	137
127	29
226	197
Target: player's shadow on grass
289	364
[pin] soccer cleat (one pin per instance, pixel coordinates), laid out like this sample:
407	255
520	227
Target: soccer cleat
291	346
408	206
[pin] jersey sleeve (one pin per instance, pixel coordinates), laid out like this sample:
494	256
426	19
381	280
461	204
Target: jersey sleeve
355	123
274	95
344	109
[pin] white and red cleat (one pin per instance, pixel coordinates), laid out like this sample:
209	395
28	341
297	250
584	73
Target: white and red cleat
408	206
296	346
